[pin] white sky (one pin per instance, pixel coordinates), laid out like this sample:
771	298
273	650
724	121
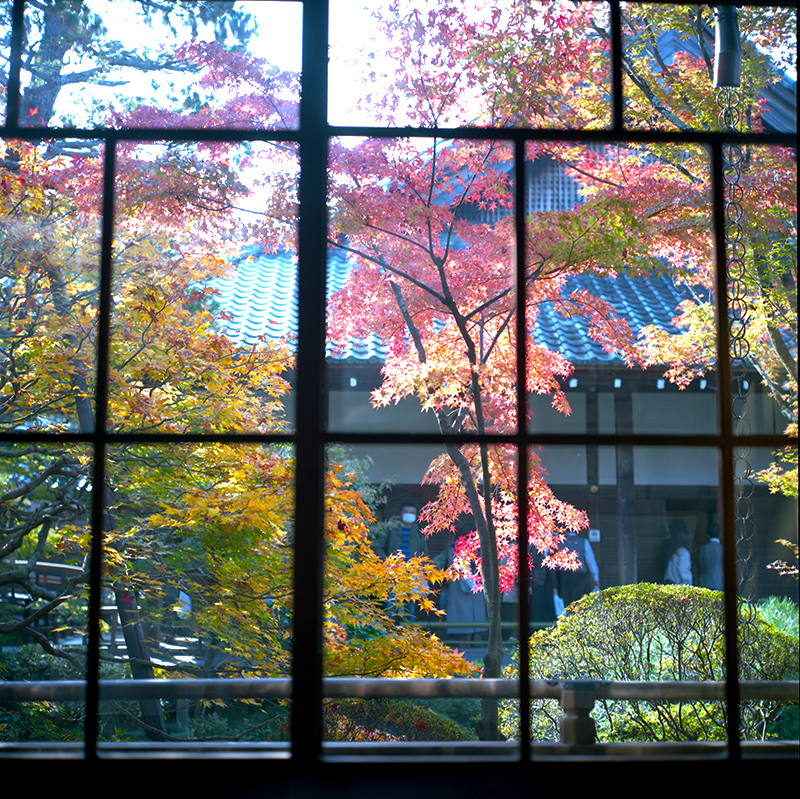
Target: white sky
279	41
349	31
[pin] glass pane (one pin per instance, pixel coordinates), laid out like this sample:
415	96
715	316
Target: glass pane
50	252
670	67
636	518
123	63
437	64
204	314
762	284
198	580
5	53
45	507
766	549
406	586
619	293
422	281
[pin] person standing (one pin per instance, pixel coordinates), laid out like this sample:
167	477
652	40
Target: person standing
710	561
679	565
464	604
543	590
573	585
403	535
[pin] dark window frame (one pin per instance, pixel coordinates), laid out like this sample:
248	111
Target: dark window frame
311	437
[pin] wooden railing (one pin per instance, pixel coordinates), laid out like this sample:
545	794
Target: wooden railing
577	697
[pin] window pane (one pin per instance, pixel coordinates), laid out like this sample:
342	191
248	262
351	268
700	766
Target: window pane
45	507
669	67
198	567
638	516
429	63
203	315
405	585
5	52
620	290
762	285
766	492
422	281
50	252
766	554
125	64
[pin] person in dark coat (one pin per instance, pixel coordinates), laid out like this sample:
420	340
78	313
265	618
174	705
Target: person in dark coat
572	585
543	590
710	561
403	535
463	604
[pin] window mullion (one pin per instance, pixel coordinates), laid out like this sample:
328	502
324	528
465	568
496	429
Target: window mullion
617	97
522	451
309	488
727	498
99	494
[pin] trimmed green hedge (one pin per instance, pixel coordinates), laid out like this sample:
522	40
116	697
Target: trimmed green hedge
658	632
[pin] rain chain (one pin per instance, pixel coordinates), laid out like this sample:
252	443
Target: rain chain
727	80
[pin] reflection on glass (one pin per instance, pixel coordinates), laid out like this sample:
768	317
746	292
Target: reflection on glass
669	64
409	583
422	280
198	577
427	64
118	63
49	250
45	507
204	316
619	292
766	501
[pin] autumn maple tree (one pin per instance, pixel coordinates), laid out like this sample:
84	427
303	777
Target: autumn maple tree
766	190
431	236
202	522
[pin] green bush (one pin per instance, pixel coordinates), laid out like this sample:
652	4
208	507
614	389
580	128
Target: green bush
45	720
782	613
657	632
389	720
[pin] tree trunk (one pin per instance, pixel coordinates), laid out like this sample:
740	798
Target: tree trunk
38	101
139	660
127	606
488	726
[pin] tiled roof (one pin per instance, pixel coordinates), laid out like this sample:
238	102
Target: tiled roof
640	301
259	299
780	97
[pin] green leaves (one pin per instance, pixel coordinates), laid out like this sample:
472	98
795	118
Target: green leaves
654	632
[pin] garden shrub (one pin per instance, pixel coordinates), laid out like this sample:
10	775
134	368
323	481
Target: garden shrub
389	720
659	633
781	612
46	720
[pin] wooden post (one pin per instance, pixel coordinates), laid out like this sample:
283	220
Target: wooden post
626	497
577	701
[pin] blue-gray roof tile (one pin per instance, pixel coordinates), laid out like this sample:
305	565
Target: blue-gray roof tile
259	300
